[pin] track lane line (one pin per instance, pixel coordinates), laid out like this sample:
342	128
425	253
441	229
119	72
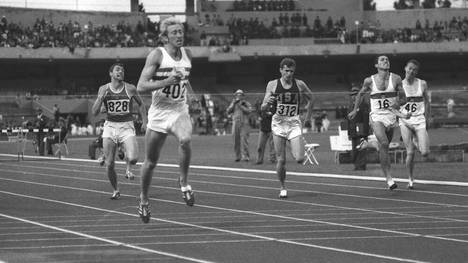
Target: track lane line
254	179
105	240
196	226
260	214
204	167
282	201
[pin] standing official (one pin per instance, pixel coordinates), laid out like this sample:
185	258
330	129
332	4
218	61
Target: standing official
358	130
265	137
240	110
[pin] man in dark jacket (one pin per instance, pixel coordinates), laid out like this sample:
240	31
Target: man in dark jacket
41	123
358	130
265	137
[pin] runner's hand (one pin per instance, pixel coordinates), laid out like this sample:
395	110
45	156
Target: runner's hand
352	114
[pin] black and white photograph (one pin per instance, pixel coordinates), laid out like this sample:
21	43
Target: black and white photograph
231	131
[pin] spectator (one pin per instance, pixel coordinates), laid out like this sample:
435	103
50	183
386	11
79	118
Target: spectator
265	137
318	121
358	130
41	123
56	112
240	110
450	105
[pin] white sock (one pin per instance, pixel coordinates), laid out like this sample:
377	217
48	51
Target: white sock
390	182
186	188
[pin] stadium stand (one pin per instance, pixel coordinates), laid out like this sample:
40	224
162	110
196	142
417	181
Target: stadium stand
317	26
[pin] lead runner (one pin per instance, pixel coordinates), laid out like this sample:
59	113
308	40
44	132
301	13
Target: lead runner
165	75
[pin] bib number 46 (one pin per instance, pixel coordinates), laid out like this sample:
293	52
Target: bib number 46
411	107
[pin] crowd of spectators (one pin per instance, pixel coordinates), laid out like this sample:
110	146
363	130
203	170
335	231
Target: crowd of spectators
454	30
411	4
297	25
284	26
72	34
263	5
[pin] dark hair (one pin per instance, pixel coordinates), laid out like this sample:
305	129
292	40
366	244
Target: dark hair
414	61
289	62
115	65
376	59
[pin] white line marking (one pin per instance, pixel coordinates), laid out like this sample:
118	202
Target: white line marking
116	243
252	186
339	176
208	228
252	197
279	216
259	179
141	244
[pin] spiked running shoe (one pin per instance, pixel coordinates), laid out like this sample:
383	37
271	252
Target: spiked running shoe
102	160
129	175
144	212
115	195
283	194
188	195
121	154
392	185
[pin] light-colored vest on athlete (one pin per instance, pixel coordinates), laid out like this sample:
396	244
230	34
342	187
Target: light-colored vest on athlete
414	97
382	100
172	97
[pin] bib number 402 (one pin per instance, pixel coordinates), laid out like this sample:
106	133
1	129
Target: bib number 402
175	91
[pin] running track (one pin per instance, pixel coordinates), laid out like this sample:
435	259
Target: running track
59	211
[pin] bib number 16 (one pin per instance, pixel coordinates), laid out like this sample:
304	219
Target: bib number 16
383	104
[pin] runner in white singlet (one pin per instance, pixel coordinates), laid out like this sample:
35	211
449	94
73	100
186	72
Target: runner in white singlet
165	75
385	89
413	130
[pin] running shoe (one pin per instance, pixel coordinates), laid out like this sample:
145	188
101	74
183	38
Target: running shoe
144	212
101	160
129	175
283	194
115	195
393	186
121	154
188	195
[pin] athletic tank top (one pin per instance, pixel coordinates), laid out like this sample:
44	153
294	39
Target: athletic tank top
382	100
414	98
288	100
118	105
172	96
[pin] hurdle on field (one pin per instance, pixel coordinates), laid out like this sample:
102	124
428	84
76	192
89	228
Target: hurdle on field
19	136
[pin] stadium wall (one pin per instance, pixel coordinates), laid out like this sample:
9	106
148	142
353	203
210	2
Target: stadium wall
243	51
